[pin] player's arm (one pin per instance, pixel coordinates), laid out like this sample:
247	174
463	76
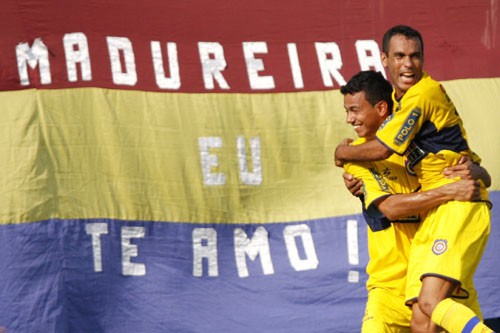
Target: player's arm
398	206
401	205
372	150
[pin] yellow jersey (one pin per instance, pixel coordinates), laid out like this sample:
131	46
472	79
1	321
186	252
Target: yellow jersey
427	129
388	243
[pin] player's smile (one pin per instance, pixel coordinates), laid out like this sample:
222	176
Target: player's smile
358	128
407	76
361	115
405	81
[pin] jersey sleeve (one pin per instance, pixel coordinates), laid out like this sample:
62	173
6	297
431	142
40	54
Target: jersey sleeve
400	129
374	188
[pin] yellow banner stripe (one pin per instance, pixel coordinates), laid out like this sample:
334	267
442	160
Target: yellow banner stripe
223	158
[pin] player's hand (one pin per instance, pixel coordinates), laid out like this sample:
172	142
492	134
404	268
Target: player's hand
337	160
464	169
463	190
354	185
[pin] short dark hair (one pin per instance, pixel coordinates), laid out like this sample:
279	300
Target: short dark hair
373	84
404	30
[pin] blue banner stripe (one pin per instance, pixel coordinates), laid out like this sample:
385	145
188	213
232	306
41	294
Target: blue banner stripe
52	263
147	279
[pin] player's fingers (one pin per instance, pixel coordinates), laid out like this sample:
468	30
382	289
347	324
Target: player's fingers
354	184
457	172
359	192
464	159
471	190
463	167
357	189
347	176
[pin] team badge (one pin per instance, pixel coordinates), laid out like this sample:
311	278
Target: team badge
409	168
440	246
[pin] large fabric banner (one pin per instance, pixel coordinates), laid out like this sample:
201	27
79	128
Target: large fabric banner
167	166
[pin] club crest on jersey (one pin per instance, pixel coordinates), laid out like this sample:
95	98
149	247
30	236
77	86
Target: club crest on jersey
440	246
407	128
409	168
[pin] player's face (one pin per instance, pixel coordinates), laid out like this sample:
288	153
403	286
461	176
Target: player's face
364	117
404	62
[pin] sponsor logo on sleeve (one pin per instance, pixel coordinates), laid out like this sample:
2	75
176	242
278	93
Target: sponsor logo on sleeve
380	180
386	121
408	126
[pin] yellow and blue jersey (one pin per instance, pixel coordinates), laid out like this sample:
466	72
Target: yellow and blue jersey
382	178
388	246
427	129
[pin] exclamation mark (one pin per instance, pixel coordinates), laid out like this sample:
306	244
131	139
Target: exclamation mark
352	249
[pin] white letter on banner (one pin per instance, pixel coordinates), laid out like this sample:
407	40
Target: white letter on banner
256	65
96	230
130	250
174	81
330	67
293	55
212	67
247	177
71	42
259	245
208	251
209	161
290	233
115	45
369	56
352	249
38	54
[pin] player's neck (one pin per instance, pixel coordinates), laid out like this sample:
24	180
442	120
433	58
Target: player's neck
370	137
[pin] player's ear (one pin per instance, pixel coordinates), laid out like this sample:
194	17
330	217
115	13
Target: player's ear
383	57
382	108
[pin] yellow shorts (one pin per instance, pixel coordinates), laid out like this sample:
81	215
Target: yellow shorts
449	244
386	312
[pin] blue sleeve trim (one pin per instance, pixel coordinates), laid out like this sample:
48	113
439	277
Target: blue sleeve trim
470	325
382	142
374	218
375	214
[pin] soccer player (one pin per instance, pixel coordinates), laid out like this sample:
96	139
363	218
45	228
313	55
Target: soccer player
391	205
426	128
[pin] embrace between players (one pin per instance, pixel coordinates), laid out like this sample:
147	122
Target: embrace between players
423	194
